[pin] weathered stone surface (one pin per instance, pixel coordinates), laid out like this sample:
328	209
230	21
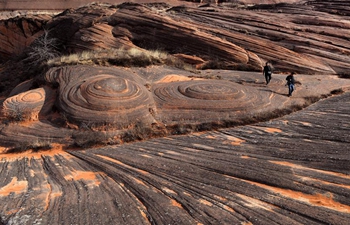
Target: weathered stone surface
299	37
291	36
63	4
30	104
102	96
293	170
115	98
18	33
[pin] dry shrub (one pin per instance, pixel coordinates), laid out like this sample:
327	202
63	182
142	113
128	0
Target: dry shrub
337	91
181	128
89	138
213	64
311	99
20	114
42	50
207	76
120	57
141	131
216	64
35	145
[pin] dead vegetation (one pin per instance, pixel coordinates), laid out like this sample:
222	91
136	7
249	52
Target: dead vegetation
42	50
18	114
131	57
34	145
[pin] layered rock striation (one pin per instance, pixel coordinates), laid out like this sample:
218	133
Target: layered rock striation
291	170
299	37
291	36
18	33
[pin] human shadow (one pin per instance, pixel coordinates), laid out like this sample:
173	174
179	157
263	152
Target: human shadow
275	92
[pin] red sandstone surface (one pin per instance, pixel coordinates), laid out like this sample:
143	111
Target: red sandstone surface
225	167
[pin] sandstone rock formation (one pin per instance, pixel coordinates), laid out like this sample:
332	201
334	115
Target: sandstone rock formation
18	33
292	40
289	170
111	99
299	37
28	105
102	96
92	97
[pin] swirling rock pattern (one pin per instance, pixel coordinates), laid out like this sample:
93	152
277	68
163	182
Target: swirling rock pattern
209	99
307	38
117	98
288	35
29	104
293	170
102	95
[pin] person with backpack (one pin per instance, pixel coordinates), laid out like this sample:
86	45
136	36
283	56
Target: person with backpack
267	72
290	83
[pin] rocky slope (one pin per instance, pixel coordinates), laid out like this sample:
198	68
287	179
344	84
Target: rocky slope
18	33
292	37
290	170
305	37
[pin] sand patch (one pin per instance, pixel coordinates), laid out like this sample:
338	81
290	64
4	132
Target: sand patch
236	141
14	186
87	176
57	149
318	199
167	190
295	166
255	203
205	202
173	78
323	182
81	175
272	130
175	203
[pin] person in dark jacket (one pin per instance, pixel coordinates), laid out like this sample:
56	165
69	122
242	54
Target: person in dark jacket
267	72
290	83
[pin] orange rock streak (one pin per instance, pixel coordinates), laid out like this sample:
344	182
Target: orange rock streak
295	166
14	186
316	199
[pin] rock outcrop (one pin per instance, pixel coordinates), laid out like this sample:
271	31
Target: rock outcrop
102	96
291	36
300	37
288	170
18	33
30	104
293	170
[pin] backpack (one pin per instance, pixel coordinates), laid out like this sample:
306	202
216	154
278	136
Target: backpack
267	70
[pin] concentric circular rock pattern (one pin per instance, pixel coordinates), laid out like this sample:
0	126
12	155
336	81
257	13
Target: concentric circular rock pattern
28	104
97	95
210	90
204	94
100	96
292	170
208	99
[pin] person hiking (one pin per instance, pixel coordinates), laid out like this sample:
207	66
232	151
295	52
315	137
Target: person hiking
267	72
290	83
